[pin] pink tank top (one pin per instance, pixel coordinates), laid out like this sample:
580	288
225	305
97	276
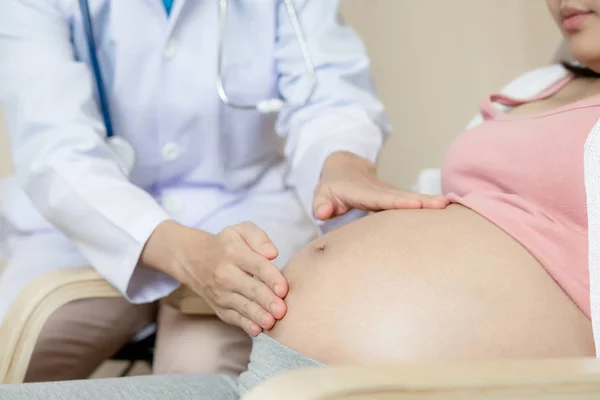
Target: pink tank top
525	174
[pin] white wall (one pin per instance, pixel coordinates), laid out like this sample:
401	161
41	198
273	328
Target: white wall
435	60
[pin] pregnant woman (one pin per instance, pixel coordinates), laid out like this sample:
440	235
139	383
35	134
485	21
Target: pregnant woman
500	273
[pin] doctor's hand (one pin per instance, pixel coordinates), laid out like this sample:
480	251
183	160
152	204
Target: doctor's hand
232	271
350	182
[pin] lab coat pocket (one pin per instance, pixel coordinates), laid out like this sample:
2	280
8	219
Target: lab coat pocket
250	80
248	137
249	73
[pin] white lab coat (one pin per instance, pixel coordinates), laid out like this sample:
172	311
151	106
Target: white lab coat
527	86
198	161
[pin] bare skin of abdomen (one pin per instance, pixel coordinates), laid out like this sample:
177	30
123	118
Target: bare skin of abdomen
426	285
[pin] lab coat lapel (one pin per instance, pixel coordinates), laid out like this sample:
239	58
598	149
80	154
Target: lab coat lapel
178	6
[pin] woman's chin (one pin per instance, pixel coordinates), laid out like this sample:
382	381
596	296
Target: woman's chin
585	49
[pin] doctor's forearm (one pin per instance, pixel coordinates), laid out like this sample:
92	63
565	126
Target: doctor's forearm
344	161
161	250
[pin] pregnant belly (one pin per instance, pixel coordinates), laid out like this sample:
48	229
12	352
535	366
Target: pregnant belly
426	285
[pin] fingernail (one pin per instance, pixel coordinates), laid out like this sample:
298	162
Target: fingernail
276	289
268	247
273	308
320	209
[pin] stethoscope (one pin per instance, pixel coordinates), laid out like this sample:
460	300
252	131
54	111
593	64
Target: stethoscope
124	149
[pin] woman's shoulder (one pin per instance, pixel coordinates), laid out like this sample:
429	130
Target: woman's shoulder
528	85
533	82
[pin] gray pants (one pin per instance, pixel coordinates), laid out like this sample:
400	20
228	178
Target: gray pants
269	358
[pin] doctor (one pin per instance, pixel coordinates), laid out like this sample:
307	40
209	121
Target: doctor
164	201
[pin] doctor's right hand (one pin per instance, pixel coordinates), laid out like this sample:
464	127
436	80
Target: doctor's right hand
231	270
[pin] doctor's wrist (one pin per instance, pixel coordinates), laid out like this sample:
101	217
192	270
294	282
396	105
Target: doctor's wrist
160	251
343	162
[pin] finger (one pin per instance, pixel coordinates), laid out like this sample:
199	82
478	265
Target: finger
251	310
257	239
324	211
257	291
264	270
398	199
340	208
322	205
235	318
380	199
428	201
435	202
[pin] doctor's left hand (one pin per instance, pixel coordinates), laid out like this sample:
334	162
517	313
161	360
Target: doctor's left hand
232	270
350	182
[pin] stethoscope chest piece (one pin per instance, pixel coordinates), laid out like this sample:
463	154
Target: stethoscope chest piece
124	151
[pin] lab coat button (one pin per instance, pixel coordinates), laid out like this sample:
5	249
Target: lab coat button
171	151
172	204
170	50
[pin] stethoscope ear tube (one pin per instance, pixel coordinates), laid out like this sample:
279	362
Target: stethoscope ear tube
91	44
265	106
274	105
121	147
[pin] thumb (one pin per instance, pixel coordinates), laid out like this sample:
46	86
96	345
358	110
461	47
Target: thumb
257	240
322	207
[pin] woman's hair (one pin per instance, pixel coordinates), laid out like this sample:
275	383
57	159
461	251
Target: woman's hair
580	70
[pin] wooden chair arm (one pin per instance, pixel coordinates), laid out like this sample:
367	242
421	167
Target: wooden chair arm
33	307
526	379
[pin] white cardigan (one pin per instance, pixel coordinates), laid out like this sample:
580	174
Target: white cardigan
526	86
